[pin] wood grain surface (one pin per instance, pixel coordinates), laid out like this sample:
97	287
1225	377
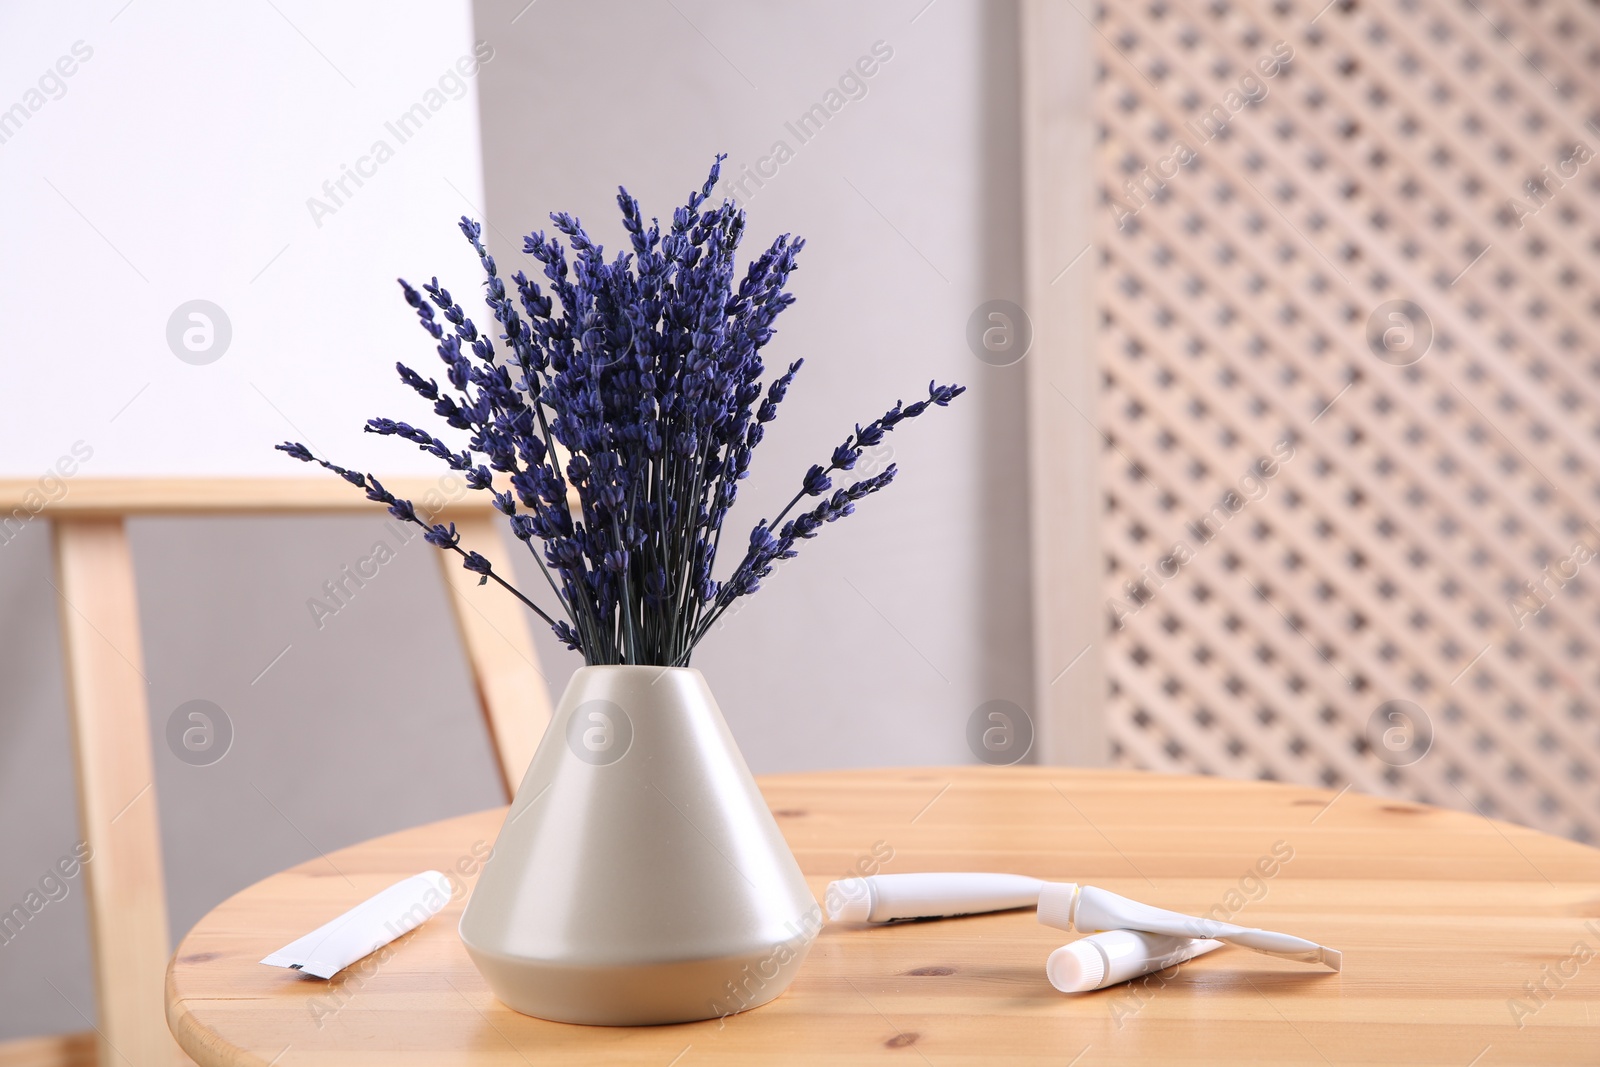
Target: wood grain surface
325	494
120	847
443	498
1446	920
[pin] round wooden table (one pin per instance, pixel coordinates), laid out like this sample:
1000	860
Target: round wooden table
1465	941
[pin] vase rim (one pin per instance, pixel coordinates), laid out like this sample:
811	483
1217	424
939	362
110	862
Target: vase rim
654	668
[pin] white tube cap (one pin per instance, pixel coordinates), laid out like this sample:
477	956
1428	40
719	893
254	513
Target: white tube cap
849	900
1056	901
1076	968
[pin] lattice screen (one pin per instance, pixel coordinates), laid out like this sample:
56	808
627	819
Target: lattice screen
1388	160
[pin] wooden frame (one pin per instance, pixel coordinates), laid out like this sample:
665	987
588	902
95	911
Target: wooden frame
118	497
1063	443
106	686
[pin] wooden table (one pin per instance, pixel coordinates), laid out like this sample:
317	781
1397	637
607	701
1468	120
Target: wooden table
1442	917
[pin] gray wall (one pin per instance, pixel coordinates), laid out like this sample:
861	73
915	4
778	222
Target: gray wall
873	648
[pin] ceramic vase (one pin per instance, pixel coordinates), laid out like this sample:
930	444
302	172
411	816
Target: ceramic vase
639	877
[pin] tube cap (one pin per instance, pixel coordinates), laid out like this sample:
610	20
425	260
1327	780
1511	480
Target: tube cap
1056	901
1076	968
849	900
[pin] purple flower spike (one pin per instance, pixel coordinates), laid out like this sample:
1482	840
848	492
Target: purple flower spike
611	407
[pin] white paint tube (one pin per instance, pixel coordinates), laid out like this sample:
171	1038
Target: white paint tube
883	898
1069	906
1114	956
365	928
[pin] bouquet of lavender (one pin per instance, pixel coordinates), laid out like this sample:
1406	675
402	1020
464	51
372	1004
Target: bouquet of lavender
648	377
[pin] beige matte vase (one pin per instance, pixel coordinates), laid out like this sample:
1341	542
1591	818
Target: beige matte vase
639	877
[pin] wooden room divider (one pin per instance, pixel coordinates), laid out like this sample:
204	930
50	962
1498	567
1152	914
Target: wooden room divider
1346	324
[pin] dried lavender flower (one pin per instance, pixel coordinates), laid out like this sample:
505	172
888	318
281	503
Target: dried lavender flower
645	369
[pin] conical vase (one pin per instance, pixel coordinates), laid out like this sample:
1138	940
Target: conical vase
639	877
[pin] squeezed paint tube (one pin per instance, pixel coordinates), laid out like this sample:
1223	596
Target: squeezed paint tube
1114	956
365	928
883	898
1069	906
